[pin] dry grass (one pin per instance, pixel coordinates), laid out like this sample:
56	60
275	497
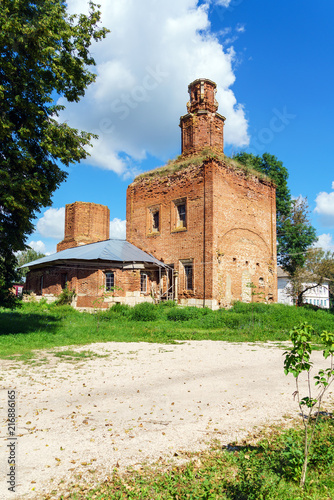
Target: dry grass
182	162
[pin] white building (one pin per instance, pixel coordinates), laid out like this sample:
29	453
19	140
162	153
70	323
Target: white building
317	296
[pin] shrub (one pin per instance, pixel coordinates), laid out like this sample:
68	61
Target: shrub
187	313
167	303
119	309
65	297
144	312
178	315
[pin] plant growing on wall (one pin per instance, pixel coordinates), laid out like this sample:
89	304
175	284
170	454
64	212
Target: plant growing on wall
65	297
298	361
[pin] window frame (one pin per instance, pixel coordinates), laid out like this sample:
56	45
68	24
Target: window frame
188	278
109	288
153	212
144	275
178	222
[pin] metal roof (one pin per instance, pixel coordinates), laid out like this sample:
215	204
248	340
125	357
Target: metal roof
105	251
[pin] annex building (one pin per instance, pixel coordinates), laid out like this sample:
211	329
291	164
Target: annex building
200	230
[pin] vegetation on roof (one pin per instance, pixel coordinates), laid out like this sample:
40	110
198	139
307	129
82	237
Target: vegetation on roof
182	162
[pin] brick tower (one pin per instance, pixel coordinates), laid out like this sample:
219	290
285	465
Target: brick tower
84	223
202	127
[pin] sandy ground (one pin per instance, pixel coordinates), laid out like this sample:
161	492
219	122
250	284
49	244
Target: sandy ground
133	403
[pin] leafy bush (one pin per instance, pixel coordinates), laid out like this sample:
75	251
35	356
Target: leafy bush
186	313
144	312
65	297
119	309
178	315
292	457
167	303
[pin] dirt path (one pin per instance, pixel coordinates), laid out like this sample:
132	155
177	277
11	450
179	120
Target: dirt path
138	402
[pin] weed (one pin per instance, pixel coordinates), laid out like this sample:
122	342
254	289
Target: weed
144	312
65	297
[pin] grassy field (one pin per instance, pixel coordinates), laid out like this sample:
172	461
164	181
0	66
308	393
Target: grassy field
41	326
265	468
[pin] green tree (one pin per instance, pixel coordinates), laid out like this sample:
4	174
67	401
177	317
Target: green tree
27	255
44	55
296	238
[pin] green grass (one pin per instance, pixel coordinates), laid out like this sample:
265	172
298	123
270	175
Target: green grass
42	326
267	468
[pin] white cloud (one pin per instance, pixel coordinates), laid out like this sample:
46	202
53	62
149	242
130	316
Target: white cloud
52	224
240	28
223	3
38	246
154	50
325	241
325	207
118	229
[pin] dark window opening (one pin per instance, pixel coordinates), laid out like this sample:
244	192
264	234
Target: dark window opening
181	212
143	282
110	281
41	285
156	221
188	271
63	280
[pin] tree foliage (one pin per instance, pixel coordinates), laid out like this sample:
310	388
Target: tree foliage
27	255
296	238
44	55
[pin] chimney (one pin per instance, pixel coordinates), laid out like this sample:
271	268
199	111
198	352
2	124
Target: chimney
84	223
202	127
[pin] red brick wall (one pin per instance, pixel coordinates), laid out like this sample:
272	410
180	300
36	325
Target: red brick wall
244	237
170	244
229	216
88	283
85	223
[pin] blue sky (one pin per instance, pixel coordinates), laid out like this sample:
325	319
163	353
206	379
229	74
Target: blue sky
272	62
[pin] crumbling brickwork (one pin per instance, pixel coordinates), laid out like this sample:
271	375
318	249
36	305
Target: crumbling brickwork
228	237
84	223
202	126
89	284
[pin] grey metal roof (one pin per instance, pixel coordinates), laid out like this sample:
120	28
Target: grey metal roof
281	273
105	251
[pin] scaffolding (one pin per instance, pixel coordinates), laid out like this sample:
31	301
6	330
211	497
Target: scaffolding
166	283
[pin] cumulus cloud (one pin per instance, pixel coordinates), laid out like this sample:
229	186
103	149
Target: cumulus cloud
154	50
325	241
52	224
38	246
118	229
325	207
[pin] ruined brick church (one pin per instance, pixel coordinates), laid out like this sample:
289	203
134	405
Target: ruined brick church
200	230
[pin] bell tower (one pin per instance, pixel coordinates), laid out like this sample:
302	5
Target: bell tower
202	127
